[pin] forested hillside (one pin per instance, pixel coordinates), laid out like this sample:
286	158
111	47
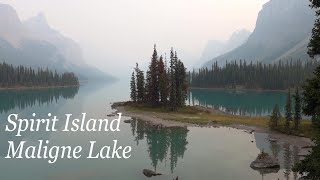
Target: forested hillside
21	76
282	32
278	76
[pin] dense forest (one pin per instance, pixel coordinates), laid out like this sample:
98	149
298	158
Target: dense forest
163	86
21	76
277	76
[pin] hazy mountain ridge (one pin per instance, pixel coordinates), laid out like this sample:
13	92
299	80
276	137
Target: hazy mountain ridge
282	31
34	43
11	29
215	48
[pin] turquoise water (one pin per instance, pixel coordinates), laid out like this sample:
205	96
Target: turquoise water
190	153
239	102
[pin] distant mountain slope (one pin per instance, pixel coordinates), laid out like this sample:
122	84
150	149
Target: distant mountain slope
11	29
216	48
34	43
282	31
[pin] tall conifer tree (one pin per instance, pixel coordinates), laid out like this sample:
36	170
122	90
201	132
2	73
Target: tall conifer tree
173	90
140	84
163	81
297	109
133	88
288	112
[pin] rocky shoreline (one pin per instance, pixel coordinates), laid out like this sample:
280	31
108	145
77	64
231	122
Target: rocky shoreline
163	119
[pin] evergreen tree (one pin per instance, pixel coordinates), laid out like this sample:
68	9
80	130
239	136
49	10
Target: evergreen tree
275	117
288	112
163	82
277	76
140	84
310	166
314	45
18	76
133	88
162	86
181	85
297	109
173	90
153	79
311	97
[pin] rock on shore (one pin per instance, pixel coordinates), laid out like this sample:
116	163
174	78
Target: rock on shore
265	161
150	173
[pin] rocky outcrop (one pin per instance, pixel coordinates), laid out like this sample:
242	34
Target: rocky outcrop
265	161
127	121
150	173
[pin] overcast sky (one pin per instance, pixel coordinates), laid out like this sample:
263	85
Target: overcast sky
114	34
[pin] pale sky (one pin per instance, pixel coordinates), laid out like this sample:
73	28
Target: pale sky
114	34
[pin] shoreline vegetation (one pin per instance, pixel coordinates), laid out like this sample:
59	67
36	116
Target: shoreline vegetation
159	95
197	116
22	77
254	75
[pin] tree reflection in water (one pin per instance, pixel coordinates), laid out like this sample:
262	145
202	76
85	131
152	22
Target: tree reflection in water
11	99
162	142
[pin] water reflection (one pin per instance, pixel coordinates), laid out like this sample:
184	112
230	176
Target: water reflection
26	102
244	103
200	153
11	99
287	154
162	142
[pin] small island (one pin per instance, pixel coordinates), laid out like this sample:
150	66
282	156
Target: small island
21	77
159	98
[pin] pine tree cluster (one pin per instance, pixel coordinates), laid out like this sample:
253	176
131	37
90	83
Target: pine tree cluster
277	76
295	117
21	76
163	85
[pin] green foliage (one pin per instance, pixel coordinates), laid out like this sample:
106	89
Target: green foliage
133	88
275	117
288	112
277	76
21	76
163	80
311	95
173	88
152	81
310	166
166	87
140	84
297	109
314	44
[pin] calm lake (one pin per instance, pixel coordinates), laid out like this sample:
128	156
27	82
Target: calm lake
239	102
190	153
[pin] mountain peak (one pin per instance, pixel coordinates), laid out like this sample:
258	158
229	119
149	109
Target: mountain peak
41	18
282	31
11	28
6	7
38	22
239	37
